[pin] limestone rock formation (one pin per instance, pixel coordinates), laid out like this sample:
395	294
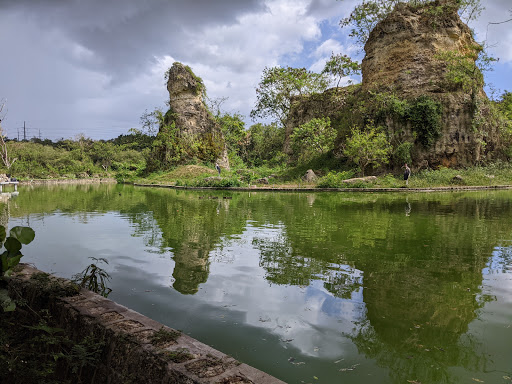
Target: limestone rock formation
360	180
309	176
188	112
401	50
406	81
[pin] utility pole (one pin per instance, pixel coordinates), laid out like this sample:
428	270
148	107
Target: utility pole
39	133
18	133
24	132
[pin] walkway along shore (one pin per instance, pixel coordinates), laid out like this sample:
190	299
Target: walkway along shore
67	181
309	189
457	188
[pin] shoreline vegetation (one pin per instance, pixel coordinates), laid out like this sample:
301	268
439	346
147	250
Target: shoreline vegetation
493	176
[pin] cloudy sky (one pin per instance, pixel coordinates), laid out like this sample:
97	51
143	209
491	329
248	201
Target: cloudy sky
94	66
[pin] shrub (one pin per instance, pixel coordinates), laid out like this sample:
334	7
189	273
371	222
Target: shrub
214	182
425	116
402	153
314	137
335	179
367	147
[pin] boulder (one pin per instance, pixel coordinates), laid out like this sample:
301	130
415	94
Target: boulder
310	176
212	179
360	179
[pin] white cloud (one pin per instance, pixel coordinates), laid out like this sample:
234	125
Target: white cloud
328	47
95	66
498	37
238	53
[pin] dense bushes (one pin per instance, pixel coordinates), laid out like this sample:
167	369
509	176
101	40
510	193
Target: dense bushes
425	116
71	159
335	179
264	145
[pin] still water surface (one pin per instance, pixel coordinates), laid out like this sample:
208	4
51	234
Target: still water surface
311	288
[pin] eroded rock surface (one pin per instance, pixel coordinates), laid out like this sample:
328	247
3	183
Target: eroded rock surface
401	50
404	63
187	110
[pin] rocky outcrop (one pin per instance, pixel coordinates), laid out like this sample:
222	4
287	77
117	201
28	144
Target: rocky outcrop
310	176
401	52
194	122
406	82
356	180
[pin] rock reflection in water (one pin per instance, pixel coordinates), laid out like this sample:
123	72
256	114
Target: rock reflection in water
327	273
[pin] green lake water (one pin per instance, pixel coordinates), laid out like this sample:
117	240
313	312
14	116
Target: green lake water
309	287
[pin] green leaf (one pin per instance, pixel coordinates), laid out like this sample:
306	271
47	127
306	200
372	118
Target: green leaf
14	260
6	302
4	264
3	234
25	235
12	245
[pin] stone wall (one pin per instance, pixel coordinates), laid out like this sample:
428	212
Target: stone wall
133	352
93	180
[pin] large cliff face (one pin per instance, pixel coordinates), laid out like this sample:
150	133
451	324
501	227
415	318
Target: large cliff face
191	117
401	50
404	64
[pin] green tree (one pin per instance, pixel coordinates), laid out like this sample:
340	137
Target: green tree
402	153
366	15
167	149
279	85
340	66
367	147
465	69
135	139
233	129
264	144
316	136
6	159
505	105
103	153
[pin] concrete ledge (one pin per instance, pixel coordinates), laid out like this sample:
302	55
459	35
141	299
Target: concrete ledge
309	189
136	348
68	181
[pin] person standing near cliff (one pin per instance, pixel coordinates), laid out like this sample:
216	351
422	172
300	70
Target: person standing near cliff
407	173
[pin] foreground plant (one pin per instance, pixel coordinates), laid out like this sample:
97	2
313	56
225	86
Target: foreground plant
10	258
94	278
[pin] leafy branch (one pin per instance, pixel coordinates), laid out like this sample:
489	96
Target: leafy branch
11	258
94	278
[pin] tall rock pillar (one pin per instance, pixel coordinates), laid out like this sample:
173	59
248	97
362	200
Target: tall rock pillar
191	117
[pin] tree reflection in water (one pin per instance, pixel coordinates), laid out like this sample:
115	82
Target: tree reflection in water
415	279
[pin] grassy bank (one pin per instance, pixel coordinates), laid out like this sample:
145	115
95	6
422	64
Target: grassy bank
126	161
201	176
